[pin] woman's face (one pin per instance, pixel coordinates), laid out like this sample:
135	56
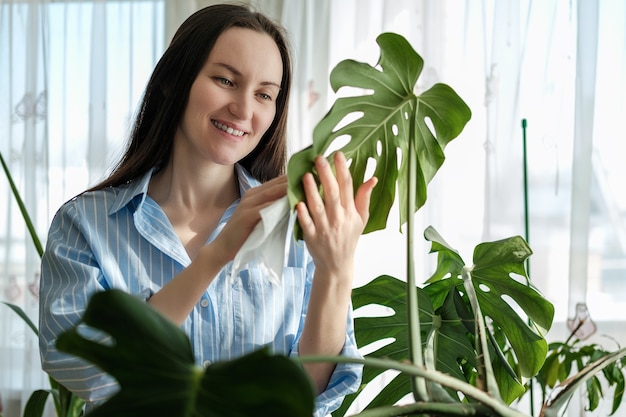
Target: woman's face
232	102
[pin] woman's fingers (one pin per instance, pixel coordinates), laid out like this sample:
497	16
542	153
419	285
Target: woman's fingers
344	180
363	197
247	214
271	190
328	181
338	199
313	213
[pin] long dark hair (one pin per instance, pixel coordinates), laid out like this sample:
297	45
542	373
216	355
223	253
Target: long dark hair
165	98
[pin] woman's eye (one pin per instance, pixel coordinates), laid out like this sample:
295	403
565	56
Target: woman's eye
265	96
224	81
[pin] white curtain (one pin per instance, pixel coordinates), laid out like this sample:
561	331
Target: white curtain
71	74
560	67
23	132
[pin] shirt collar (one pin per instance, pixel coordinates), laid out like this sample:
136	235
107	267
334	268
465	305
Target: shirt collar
139	187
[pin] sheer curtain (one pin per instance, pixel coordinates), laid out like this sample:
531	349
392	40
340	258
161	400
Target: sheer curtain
23	133
560	67
71	74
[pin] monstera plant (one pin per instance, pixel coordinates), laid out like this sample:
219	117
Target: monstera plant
403	134
459	347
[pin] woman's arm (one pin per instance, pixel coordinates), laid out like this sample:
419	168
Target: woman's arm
177	298
331	227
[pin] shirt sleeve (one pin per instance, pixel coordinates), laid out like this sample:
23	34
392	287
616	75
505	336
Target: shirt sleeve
346	377
69	276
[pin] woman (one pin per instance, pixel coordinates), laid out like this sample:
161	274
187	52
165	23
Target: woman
206	153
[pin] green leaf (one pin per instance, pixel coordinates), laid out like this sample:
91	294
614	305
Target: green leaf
152	360
494	262
449	262
387	291
594	393
446	322
551	372
22	207
510	389
23	316
70	405
563	357
561	395
618	393
381	129
36	403
452	343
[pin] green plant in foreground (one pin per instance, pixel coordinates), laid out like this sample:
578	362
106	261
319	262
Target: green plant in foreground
153	361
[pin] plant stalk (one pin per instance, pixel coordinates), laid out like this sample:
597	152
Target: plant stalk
420	392
419	372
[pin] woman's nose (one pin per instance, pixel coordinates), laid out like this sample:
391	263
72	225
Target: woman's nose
241	106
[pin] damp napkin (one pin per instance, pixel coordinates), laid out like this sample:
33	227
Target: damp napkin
267	245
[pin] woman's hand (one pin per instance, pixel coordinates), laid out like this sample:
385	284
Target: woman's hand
332	226
246	216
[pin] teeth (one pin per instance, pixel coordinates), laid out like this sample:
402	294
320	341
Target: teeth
228	129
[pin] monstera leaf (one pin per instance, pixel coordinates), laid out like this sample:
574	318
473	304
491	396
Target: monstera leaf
385	122
447	323
152	360
491	278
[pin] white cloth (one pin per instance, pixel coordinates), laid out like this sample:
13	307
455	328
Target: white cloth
269	241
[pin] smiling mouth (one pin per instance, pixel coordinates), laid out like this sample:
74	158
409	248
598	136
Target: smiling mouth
228	129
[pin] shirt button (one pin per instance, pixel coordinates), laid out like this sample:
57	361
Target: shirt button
204	303
206	364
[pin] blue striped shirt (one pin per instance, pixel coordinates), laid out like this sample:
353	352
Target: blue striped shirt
120	238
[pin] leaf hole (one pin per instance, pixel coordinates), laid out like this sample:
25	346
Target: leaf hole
379	148
370	168
399	157
394	129
519	278
373	310
516	307
338	143
347	119
350	91
430	126
374	346
484	288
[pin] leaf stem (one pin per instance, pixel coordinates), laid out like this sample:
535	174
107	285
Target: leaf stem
497	405
415	341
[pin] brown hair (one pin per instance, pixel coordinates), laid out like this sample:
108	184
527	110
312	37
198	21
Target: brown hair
166	95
